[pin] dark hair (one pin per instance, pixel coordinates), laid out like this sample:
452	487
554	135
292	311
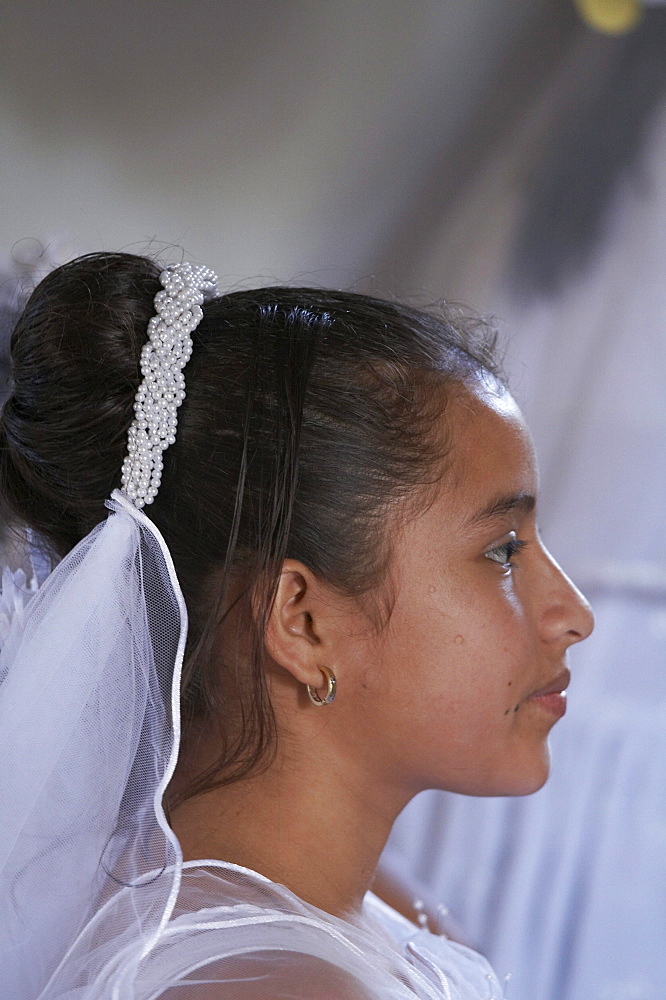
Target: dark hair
308	420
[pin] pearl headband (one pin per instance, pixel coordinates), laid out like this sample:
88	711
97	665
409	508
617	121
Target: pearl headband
163	357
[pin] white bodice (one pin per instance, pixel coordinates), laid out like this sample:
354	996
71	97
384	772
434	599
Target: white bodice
235	935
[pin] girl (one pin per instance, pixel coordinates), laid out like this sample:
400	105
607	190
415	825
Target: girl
343	510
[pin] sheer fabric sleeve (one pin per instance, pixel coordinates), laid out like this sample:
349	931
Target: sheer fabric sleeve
270	976
237	936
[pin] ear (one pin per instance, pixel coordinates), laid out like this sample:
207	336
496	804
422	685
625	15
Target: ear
296	629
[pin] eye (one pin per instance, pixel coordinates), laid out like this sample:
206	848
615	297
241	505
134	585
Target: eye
504	553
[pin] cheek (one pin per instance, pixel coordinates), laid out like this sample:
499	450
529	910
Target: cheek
446	679
459	633
476	658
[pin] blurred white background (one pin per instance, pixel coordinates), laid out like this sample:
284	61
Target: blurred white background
270	138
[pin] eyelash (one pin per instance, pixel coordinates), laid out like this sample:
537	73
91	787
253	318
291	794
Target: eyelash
507	550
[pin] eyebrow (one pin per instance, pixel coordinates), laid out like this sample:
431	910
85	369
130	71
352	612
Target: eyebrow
523	503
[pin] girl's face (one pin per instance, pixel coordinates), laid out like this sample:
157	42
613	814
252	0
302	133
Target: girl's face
463	686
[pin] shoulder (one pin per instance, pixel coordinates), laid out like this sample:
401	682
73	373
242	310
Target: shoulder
233	938
271	976
237	936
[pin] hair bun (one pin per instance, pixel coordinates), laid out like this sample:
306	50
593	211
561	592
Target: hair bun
75	360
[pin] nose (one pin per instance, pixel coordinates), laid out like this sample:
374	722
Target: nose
567	615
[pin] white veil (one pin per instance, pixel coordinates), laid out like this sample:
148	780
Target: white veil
89	729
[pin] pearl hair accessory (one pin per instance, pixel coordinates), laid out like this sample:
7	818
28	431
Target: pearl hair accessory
163	357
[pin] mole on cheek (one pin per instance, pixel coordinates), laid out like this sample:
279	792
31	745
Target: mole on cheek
515	709
459	640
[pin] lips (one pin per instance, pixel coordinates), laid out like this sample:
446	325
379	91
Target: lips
552	698
556	686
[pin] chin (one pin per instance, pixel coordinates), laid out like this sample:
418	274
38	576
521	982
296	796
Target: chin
524	778
529	787
532	777
518	772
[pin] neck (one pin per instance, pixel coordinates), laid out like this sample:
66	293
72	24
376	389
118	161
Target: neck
310	822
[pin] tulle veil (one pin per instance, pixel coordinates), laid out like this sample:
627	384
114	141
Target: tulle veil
89	730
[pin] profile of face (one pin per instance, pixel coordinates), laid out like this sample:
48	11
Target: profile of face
461	688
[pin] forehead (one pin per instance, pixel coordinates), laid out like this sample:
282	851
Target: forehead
490	448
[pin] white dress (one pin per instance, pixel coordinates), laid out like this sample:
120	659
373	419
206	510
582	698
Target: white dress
235	935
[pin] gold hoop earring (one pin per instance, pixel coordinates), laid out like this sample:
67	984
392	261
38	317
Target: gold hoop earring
331	685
